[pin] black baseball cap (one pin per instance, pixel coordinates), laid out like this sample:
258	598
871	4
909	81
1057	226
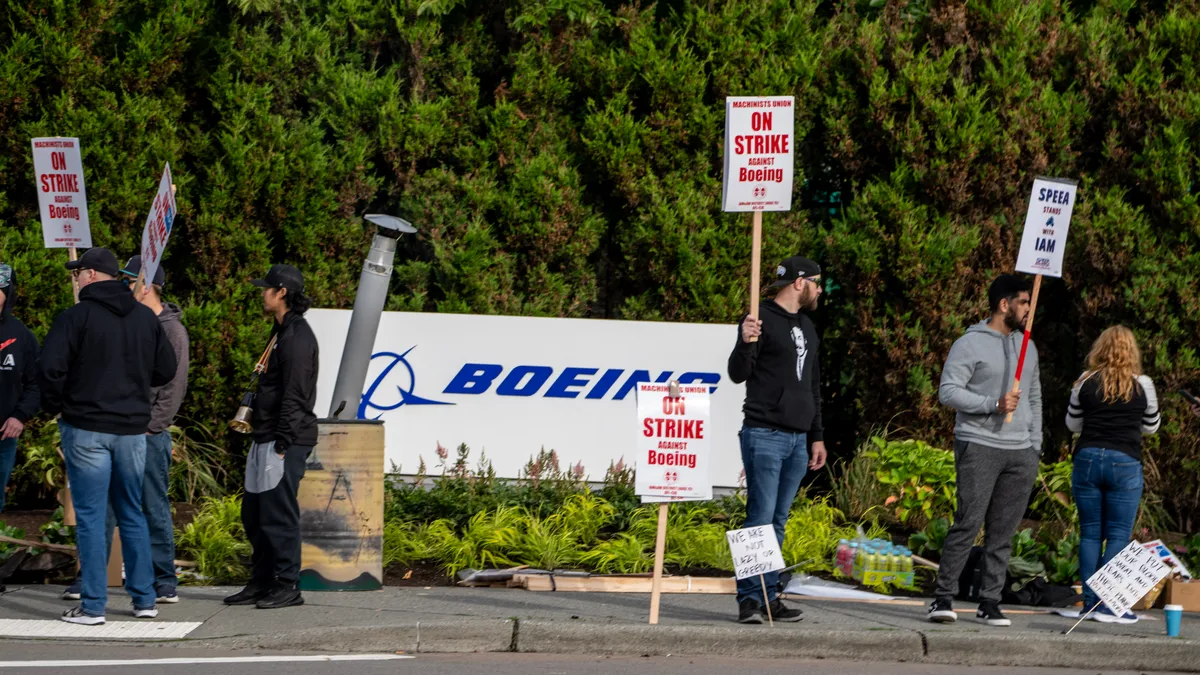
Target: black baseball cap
134	268
100	259
282	276
795	268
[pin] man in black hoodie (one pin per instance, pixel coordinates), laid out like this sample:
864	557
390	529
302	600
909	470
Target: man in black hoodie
776	356
100	360
285	431
18	376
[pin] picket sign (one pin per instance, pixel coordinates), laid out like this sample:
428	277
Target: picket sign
157	229
759	167
755	552
673	449
1043	244
1127	578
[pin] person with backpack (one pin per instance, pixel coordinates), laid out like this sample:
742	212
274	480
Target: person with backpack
1112	406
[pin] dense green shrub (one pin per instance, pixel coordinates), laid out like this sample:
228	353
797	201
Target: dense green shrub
564	159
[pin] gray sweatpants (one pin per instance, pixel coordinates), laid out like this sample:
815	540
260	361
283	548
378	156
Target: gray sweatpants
993	491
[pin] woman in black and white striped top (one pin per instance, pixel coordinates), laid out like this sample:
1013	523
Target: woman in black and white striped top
1112	406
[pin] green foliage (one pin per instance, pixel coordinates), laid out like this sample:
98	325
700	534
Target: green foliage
921	479
56	532
932	539
196	471
216	541
813	531
9	531
1052	494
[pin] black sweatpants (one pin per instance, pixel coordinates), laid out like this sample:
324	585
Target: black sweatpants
271	514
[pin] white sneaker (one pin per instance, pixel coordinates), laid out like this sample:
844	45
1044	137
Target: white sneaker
76	615
148	613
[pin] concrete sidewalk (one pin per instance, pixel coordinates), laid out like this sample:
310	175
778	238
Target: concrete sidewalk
496	620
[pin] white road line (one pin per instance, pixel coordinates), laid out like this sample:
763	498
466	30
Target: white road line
200	661
113	630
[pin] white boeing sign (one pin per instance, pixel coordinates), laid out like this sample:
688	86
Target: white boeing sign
509	386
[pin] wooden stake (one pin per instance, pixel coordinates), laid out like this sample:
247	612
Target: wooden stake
660	545
755	267
74	255
766	602
1033	301
141	281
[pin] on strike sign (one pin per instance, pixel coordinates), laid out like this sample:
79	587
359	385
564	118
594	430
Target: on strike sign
1046	223
158	226
758	153
673	443
61	194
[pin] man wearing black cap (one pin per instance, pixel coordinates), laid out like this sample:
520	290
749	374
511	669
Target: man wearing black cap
776	356
18	376
99	362
285	431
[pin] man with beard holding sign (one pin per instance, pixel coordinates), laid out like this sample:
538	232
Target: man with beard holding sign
995	461
776	356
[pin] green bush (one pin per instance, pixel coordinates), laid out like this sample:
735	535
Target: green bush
216	541
920	477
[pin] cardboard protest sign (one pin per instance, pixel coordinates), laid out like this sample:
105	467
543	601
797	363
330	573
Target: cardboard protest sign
1128	577
759	153
1046	223
158	226
58	168
673	443
755	551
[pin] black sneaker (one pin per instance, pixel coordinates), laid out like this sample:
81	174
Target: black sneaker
781	612
248	595
989	613
749	611
942	611
280	598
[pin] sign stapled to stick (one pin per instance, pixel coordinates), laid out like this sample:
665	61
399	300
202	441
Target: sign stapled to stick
62	197
673	443
755	551
158	226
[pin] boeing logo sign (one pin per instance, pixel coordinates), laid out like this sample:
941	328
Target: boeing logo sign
473	379
509	387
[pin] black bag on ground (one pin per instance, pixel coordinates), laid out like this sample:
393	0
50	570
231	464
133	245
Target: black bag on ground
1030	591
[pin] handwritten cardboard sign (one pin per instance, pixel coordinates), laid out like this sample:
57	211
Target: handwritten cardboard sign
1128	577
754	551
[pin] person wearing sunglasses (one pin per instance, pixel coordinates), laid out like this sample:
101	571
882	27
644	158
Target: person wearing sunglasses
99	362
776	356
19	392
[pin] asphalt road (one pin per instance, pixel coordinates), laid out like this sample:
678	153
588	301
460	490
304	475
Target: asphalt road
93	660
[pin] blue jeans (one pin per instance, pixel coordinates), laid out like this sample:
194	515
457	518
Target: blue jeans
775	463
8	457
1108	488
104	468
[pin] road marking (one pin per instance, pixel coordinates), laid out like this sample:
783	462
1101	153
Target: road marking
201	661
113	630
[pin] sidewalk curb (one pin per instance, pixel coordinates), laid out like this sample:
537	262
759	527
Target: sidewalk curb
1054	651
438	636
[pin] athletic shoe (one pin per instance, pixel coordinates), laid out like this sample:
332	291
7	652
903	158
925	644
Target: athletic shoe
280	598
781	612
941	610
749	611
167	596
1105	615
76	615
248	595
989	613
146	613
74	591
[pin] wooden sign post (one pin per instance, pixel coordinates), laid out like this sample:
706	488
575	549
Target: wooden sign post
759	168
1043	244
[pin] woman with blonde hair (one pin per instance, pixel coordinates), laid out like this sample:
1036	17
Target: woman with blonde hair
1112	406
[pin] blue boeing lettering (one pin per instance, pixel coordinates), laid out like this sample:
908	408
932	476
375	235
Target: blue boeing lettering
515	384
570	377
474	378
407	397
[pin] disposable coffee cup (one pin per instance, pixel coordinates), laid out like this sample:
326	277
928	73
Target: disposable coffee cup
1174	614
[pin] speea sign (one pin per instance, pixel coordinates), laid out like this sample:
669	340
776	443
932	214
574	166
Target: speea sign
510	386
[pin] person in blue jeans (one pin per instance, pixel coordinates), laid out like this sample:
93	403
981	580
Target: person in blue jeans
164	405
99	362
776	356
1112	406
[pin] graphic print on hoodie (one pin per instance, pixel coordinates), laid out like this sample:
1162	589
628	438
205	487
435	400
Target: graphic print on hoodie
782	374
19	394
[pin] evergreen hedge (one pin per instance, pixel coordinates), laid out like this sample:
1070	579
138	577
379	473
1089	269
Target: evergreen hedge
563	158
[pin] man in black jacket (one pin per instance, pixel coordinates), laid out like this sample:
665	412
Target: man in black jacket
285	431
18	376
100	360
776	356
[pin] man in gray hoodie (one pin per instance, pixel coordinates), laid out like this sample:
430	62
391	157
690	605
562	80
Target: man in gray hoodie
996	461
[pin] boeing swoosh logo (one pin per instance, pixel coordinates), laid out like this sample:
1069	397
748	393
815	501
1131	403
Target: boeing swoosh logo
407	397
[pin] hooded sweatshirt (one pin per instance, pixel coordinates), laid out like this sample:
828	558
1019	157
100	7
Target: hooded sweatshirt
100	360
287	390
166	400
18	363
979	371
782	374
